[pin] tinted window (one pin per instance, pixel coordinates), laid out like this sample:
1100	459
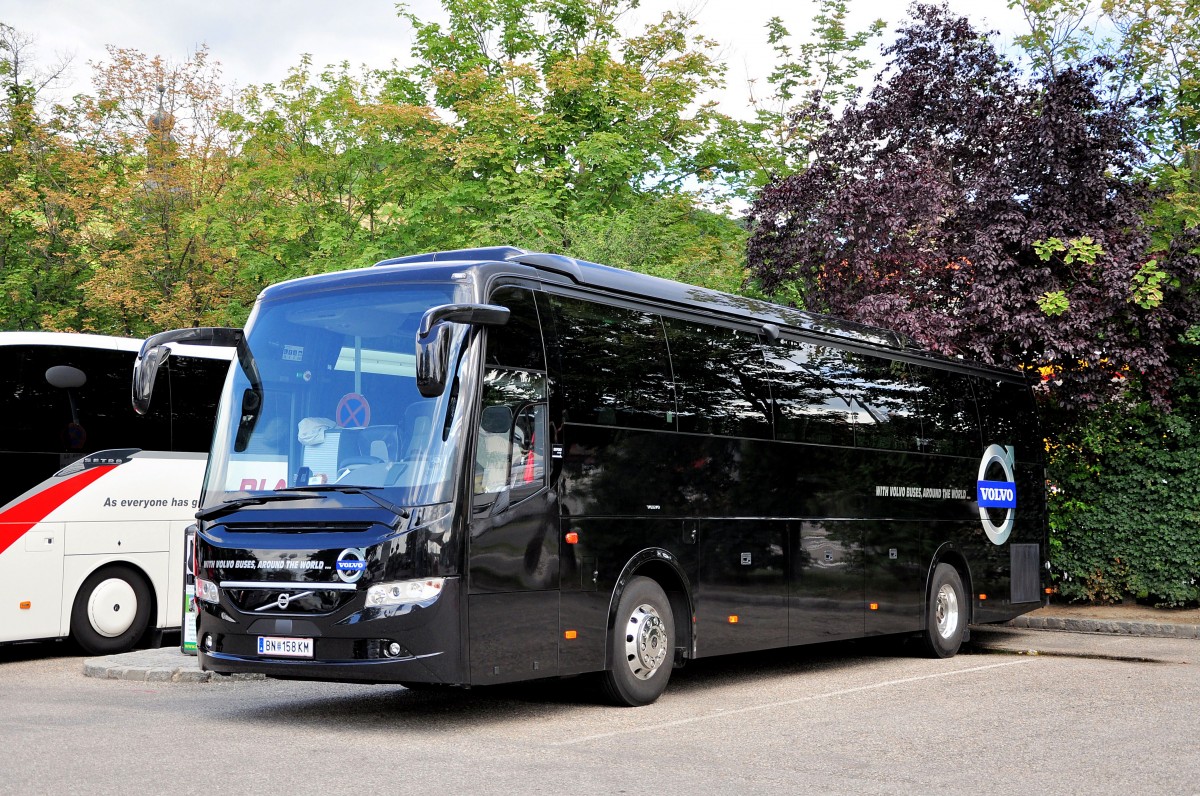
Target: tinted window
886	413
615	365
77	420
949	422
518	343
811	386
1009	417
195	389
511	448
719	380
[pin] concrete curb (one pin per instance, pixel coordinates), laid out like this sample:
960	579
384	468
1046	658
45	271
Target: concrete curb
156	666
1106	626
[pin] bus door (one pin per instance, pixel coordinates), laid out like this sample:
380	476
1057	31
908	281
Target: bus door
513	545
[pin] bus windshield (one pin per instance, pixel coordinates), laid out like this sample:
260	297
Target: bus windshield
334	401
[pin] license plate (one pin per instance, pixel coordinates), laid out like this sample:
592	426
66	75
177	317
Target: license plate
284	647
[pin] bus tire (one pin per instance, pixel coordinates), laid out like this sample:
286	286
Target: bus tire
642	645
111	611
946	616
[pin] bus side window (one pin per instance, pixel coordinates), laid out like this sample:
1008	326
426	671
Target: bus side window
518	343
1006	411
195	390
510	452
719	386
616	371
887	416
949	419
814	399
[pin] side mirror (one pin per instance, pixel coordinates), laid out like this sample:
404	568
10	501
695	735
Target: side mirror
65	377
496	419
145	369
155	352
433	340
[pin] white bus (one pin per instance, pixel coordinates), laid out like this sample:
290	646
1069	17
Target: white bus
95	498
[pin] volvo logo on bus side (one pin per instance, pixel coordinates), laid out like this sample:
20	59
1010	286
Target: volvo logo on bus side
351	563
992	494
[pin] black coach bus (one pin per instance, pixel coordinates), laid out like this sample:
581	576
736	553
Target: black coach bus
491	465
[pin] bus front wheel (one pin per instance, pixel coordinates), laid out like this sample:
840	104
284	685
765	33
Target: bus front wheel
946	616
642	645
111	611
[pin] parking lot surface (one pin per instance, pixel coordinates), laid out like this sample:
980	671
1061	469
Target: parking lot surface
1085	714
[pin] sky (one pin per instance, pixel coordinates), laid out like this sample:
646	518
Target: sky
256	41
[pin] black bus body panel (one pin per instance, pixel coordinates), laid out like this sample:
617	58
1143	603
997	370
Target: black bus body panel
278	572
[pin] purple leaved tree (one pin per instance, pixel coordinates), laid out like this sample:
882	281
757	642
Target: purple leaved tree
984	215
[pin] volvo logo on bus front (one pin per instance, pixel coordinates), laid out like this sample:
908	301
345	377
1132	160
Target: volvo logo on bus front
351	563
993	494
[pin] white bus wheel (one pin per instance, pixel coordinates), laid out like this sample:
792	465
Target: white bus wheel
111	611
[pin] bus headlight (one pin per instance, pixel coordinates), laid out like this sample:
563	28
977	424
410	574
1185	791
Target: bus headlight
206	590
404	592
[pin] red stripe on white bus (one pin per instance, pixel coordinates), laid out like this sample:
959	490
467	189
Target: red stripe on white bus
20	518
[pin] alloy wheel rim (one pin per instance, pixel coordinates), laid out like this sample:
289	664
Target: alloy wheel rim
646	644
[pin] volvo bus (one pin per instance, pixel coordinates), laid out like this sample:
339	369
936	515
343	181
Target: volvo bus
492	465
95	498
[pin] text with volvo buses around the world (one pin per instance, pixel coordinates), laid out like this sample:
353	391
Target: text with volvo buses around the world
923	492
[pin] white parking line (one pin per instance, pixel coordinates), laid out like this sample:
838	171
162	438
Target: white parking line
768	705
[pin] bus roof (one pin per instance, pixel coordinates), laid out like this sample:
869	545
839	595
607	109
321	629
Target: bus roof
637	285
104	342
772	319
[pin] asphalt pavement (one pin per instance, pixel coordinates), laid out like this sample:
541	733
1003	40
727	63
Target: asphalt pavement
1130	629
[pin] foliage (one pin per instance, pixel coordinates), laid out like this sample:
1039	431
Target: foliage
983	216
156	125
809	82
538	123
1154	53
1062	33
550	106
50	192
1125	501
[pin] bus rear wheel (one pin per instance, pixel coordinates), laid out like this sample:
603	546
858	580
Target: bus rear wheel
946	616
642	645
111	611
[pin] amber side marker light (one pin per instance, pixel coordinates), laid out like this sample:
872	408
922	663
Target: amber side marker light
572	538
571	634
733	620
983	596
874	606
26	605
1049	590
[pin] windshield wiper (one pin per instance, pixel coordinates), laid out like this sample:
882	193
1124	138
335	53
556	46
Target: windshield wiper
350	489
226	506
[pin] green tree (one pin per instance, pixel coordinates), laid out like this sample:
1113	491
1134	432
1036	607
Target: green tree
50	189
156	126
335	169
552	107
810	82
